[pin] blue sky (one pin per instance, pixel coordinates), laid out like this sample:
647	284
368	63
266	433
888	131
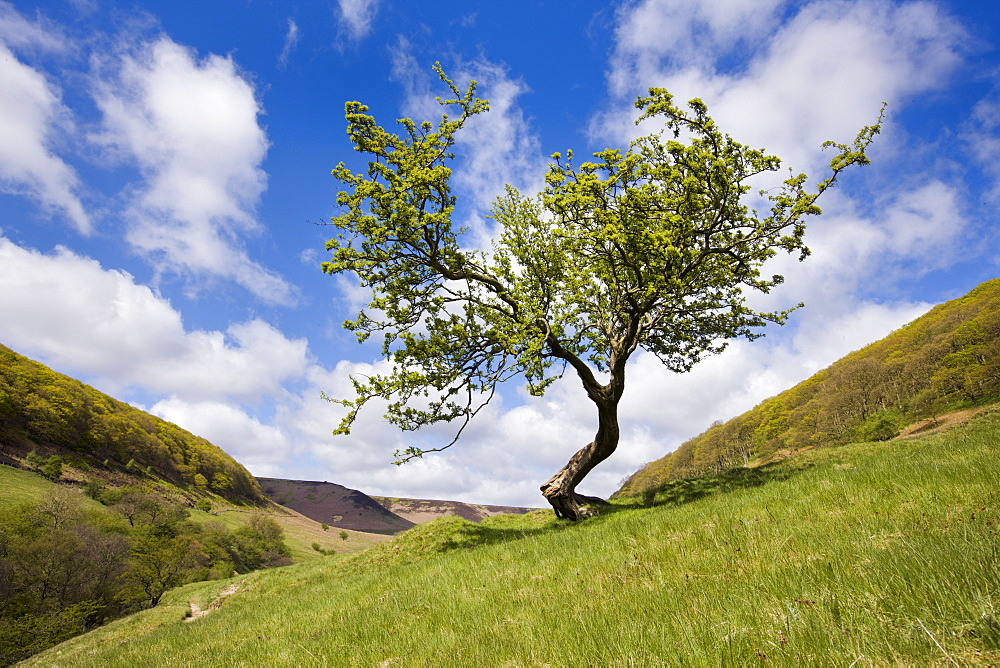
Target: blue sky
164	165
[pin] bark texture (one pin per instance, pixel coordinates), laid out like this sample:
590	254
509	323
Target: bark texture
560	490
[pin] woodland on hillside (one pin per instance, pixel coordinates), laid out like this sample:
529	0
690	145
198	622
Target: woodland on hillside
58	416
947	358
66	567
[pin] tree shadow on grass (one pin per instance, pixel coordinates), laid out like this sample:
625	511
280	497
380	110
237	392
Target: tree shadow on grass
454	533
687	490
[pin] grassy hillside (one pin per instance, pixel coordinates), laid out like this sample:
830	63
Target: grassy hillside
51	414
948	358
866	554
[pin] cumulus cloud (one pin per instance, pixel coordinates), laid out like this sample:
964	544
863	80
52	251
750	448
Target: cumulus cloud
32	119
684	33
820	75
982	137
260	447
191	126
72	313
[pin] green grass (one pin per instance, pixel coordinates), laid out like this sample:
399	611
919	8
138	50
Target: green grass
867	554
18	486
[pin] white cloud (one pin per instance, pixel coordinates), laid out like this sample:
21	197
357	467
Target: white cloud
32	118
677	407
259	447
192	128
76	315
20	33
821	75
357	16
983	141
683	33
493	149
291	41
69	312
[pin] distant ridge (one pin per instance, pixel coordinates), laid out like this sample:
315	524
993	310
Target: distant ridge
334	505
945	360
425	510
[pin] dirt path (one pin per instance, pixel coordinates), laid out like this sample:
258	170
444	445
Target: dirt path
937	423
197	612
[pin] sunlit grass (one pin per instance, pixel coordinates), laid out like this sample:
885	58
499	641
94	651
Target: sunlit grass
18	486
872	554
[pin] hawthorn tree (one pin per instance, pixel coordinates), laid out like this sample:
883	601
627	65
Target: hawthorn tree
652	247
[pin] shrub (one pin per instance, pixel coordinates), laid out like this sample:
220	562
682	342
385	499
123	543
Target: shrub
880	426
319	549
35	460
93	489
53	468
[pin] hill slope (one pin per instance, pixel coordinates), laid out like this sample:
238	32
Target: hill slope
948	357
334	505
419	511
52	414
867	554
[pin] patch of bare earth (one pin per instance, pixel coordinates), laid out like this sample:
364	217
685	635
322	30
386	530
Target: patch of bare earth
197	612
937	423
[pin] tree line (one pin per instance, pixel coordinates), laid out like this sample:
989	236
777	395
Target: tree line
946	359
65	568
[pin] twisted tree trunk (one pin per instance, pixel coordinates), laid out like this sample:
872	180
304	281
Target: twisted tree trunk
560	490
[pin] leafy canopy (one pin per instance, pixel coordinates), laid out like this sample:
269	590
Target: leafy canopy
650	247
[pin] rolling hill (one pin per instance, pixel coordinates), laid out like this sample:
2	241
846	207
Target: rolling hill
419	511
50	414
334	505
849	520
947	359
880	553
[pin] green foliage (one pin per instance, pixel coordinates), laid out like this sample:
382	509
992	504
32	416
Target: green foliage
343	535
20	637
34	459
44	408
884	551
947	358
157	564
325	526
881	426
321	550
65	567
259	544
53	467
204	505
93	489
650	247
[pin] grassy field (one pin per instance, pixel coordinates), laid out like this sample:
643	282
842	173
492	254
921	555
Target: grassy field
17	486
867	554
